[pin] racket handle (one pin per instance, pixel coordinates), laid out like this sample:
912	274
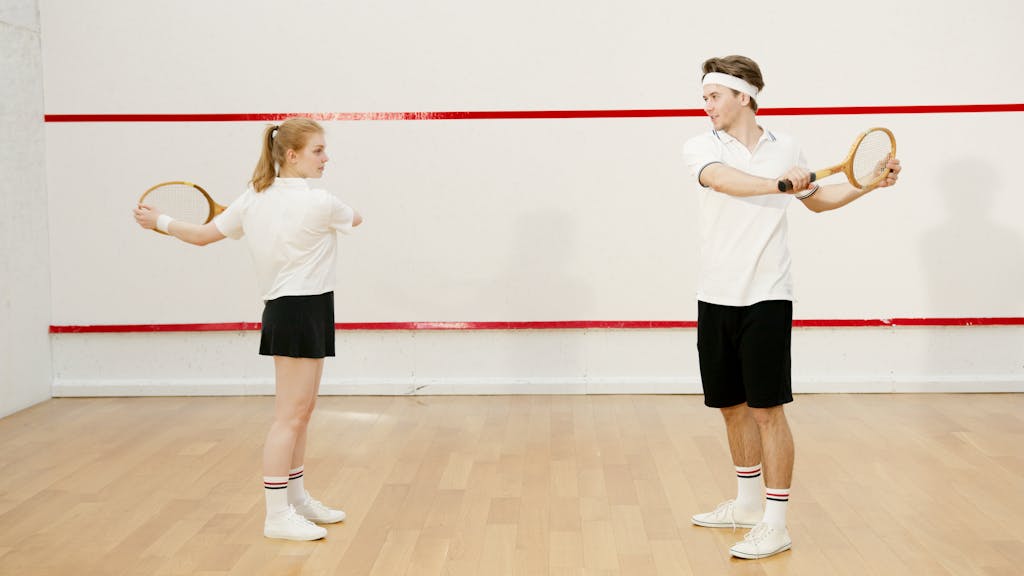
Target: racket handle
786	185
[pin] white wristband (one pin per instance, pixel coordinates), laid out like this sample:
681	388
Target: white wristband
163	222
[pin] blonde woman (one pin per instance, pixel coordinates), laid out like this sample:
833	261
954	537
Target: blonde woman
291	230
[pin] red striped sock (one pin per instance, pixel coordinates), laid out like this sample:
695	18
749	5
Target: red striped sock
748	487
275	488
296	486
776	502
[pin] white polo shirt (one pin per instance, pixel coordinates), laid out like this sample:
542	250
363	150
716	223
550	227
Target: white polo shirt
292	232
744	246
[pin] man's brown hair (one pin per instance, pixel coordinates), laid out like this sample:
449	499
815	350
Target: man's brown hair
740	67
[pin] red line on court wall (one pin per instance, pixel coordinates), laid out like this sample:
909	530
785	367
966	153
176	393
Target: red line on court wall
528	114
545	325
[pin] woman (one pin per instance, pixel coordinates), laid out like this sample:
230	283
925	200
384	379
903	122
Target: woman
292	235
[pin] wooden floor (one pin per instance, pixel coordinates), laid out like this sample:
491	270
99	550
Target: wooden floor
493	485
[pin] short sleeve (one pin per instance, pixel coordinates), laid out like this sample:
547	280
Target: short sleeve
229	222
698	153
342	216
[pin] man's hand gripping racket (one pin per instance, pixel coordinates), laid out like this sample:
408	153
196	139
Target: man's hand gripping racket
871	161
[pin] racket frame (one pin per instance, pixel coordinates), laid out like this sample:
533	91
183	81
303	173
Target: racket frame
215	208
846	166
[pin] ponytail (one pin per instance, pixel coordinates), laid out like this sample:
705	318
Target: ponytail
265	172
292	134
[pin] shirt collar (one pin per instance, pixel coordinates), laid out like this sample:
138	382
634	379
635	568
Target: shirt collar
292	183
726	138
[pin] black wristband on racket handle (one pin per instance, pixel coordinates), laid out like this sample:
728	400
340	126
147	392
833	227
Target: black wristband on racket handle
786	185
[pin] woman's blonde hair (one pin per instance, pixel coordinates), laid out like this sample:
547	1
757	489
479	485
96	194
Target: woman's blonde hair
740	67
292	134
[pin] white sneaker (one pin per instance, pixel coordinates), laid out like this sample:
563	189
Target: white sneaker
288	525
727	515
763	541
314	511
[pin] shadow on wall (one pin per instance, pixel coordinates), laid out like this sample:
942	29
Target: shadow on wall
974	265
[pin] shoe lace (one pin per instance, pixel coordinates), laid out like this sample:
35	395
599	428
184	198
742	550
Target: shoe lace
315	504
293	515
758	534
726	510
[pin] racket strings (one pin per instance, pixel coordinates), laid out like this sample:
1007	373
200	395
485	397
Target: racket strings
870	159
180	201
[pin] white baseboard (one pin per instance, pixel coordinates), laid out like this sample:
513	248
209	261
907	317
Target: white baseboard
380	387
539	386
982	383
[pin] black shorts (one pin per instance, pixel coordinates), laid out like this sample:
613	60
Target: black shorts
298	326
745	353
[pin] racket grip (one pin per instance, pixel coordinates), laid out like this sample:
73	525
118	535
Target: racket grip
786	185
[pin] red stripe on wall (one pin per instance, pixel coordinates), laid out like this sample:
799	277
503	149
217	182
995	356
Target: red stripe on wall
527	114
552	325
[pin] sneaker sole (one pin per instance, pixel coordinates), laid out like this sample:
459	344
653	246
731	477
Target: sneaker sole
325	521
746	556
283	536
729	525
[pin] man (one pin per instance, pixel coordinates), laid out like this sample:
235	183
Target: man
744	294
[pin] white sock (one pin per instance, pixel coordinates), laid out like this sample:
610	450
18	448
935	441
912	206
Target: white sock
748	487
776	500
296	487
275	488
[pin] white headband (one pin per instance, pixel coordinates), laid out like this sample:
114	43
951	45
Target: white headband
730	82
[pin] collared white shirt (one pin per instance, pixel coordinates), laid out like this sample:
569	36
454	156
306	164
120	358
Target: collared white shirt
744	246
292	235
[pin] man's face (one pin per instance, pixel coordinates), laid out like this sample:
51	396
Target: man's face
723	105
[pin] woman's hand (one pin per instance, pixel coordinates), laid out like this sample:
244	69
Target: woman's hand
145	216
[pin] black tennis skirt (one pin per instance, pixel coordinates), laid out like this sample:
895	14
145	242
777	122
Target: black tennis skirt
298	326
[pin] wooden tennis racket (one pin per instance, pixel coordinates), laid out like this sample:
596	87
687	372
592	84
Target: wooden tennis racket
864	165
183	201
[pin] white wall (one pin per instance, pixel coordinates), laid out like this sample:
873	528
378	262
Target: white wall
25	365
575	219
825	360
